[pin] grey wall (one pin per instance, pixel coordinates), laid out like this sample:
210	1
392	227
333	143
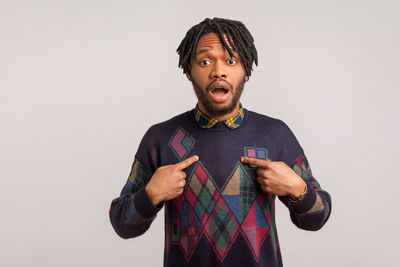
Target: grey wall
81	81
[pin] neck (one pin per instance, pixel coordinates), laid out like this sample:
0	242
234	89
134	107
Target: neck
223	117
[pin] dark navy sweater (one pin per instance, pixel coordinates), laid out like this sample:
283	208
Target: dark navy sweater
223	218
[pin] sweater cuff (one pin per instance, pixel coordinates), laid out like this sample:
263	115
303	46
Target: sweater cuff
306	203
143	204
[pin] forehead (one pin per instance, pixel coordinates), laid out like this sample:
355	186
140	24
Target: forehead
210	41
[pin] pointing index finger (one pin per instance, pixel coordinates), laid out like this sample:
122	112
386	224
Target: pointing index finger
187	162
262	163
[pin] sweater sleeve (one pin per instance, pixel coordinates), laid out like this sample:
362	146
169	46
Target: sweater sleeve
312	212
132	213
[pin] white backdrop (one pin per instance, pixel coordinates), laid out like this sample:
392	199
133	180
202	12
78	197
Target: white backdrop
81	82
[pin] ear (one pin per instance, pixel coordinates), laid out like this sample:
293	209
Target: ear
188	76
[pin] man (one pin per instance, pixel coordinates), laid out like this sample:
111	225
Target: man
219	167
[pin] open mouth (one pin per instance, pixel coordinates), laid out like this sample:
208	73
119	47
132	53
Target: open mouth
219	91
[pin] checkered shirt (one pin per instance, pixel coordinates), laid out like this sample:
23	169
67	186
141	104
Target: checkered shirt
206	122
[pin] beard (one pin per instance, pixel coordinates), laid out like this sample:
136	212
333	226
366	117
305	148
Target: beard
212	110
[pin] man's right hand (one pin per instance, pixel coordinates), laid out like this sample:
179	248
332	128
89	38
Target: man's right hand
168	181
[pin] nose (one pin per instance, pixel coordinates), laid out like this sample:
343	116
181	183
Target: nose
218	70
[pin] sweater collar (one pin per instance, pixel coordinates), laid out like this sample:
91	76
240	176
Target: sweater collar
206	122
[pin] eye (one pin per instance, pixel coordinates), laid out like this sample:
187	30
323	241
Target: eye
205	62
231	61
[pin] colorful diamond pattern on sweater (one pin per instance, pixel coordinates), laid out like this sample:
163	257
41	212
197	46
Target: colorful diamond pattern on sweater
266	202
239	192
133	184
255	229
303	169
173	221
175	213
181	143
191	230
201	192
202	209
221	229
136	176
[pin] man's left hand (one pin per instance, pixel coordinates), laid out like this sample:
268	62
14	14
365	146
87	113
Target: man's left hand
277	178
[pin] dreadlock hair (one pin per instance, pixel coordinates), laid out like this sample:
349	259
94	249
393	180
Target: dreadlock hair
238	36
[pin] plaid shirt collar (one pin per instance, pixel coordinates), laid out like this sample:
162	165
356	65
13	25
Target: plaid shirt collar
206	122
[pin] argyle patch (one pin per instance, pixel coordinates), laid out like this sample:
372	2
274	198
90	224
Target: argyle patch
175	209
133	184
181	143
266	202
221	229
239	192
220	214
201	192
172	220
136	176
191	230
303	169
255	229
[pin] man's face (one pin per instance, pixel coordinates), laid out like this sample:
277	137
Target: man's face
217	79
